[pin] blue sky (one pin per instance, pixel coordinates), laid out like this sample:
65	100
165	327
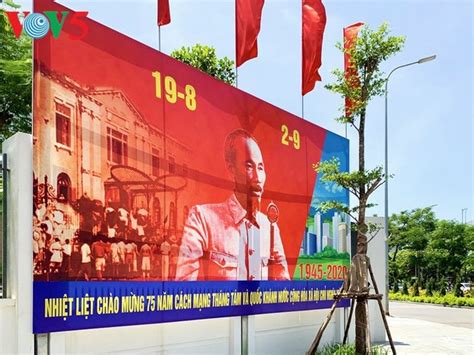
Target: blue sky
430	105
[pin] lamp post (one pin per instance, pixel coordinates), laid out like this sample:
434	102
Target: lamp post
420	61
464	216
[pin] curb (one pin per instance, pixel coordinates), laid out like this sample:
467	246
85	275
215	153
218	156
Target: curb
433	304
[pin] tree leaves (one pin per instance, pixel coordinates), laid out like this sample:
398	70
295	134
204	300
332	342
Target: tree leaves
409	230
370	50
370	179
205	59
15	81
424	247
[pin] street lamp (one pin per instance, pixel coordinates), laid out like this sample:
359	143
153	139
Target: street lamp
420	61
464	213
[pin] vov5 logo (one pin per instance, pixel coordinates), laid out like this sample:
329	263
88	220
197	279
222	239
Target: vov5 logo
37	25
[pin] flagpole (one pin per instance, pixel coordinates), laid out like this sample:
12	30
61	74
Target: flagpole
159	38
165	159
236	41
244	319
236	77
302	106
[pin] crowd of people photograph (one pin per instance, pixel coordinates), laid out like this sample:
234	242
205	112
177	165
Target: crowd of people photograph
85	241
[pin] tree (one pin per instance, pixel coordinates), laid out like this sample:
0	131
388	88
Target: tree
442	287
370	50
448	249
410	229
421	283
423	247
396	289
410	233
467	269
15	80
416	289
429	287
205	59
457	288
405	288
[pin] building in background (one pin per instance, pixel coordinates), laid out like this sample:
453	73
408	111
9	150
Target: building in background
319	234
100	147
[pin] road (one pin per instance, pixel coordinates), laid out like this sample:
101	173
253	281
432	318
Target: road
457	317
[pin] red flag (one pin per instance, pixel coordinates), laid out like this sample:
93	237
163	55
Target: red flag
314	22
248	15
350	36
164	15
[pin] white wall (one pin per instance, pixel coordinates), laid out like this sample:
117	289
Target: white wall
7	329
376	253
281	333
19	243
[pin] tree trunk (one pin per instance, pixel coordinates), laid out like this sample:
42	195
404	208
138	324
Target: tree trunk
361	326
361	318
362	144
394	257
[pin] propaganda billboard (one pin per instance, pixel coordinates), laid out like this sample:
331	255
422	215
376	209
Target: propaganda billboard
162	194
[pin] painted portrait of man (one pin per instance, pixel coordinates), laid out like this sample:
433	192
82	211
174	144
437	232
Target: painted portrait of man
234	240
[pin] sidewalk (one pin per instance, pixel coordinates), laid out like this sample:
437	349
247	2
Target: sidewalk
414	336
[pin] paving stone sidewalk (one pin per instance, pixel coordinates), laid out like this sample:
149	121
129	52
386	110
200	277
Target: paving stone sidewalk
414	336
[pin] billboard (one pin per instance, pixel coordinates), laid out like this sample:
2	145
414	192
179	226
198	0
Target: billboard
162	194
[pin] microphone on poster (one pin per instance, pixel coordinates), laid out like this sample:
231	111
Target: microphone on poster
272	214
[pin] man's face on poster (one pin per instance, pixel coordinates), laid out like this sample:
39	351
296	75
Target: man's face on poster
248	168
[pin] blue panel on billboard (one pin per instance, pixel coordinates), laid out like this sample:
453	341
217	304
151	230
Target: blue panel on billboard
61	306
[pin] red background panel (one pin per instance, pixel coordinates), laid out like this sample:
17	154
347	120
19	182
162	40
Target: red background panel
108	59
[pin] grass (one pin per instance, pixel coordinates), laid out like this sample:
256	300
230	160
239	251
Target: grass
348	349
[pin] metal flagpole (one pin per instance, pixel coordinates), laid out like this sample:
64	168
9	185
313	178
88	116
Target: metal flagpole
235	28
302	106
159	38
236	77
244	320
5	292
166	218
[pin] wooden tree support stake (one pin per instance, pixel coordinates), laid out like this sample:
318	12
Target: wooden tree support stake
346	331
316	341
354	296
382	312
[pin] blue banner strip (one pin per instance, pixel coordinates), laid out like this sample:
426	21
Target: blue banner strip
62	306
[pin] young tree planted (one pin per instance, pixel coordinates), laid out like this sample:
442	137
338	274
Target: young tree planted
422	283
416	289
396	289
430	287
371	49
442	287
405	288
457	288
